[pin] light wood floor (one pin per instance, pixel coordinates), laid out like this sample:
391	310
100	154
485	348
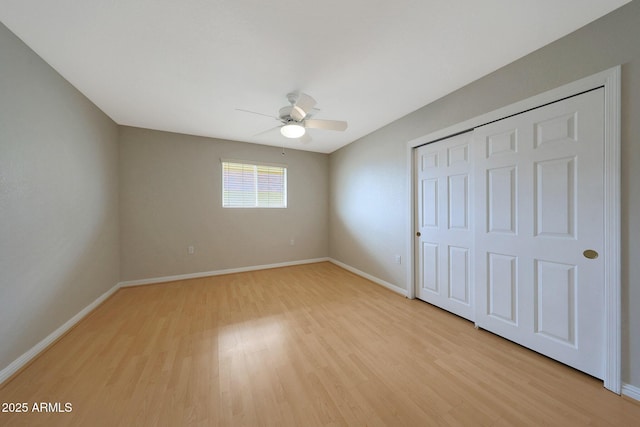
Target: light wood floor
310	345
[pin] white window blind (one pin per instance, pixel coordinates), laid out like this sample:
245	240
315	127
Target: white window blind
251	185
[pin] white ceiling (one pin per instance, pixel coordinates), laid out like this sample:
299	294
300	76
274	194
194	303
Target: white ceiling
186	66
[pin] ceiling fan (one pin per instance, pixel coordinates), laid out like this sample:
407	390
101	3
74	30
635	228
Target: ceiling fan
296	118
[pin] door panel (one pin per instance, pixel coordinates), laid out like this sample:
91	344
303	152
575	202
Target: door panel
502	287
458	187
429	270
539	204
555	196
501	203
429	203
555	304
459	274
444	187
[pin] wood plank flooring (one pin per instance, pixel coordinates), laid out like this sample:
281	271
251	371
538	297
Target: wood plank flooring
310	345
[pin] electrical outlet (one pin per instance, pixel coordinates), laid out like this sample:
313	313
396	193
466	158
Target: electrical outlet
292	242
398	259
191	250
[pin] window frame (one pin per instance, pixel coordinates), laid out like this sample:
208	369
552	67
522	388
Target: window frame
227	203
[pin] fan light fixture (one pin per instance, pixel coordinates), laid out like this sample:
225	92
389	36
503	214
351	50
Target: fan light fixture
292	130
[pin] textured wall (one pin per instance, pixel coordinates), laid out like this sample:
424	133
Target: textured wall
171	198
58	200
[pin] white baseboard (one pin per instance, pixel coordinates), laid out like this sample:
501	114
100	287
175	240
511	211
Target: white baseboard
21	361
368	276
217	272
631	391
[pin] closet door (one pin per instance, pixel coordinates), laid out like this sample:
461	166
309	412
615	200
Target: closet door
444	242
539	227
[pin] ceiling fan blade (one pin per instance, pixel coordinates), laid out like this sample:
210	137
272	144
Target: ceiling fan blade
267	131
303	105
325	124
260	114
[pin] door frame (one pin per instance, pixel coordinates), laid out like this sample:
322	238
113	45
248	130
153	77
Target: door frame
610	80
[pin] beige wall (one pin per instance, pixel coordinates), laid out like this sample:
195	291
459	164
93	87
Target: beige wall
170	198
58	200
368	179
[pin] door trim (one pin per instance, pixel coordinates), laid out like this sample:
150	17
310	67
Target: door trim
610	80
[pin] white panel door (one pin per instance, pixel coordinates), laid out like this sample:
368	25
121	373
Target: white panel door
539	222
445	238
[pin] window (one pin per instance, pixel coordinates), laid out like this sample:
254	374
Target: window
251	185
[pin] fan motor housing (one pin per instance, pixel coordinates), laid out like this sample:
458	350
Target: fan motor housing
285	113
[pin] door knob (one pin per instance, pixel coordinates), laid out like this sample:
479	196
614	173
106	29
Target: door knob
590	254
418	234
